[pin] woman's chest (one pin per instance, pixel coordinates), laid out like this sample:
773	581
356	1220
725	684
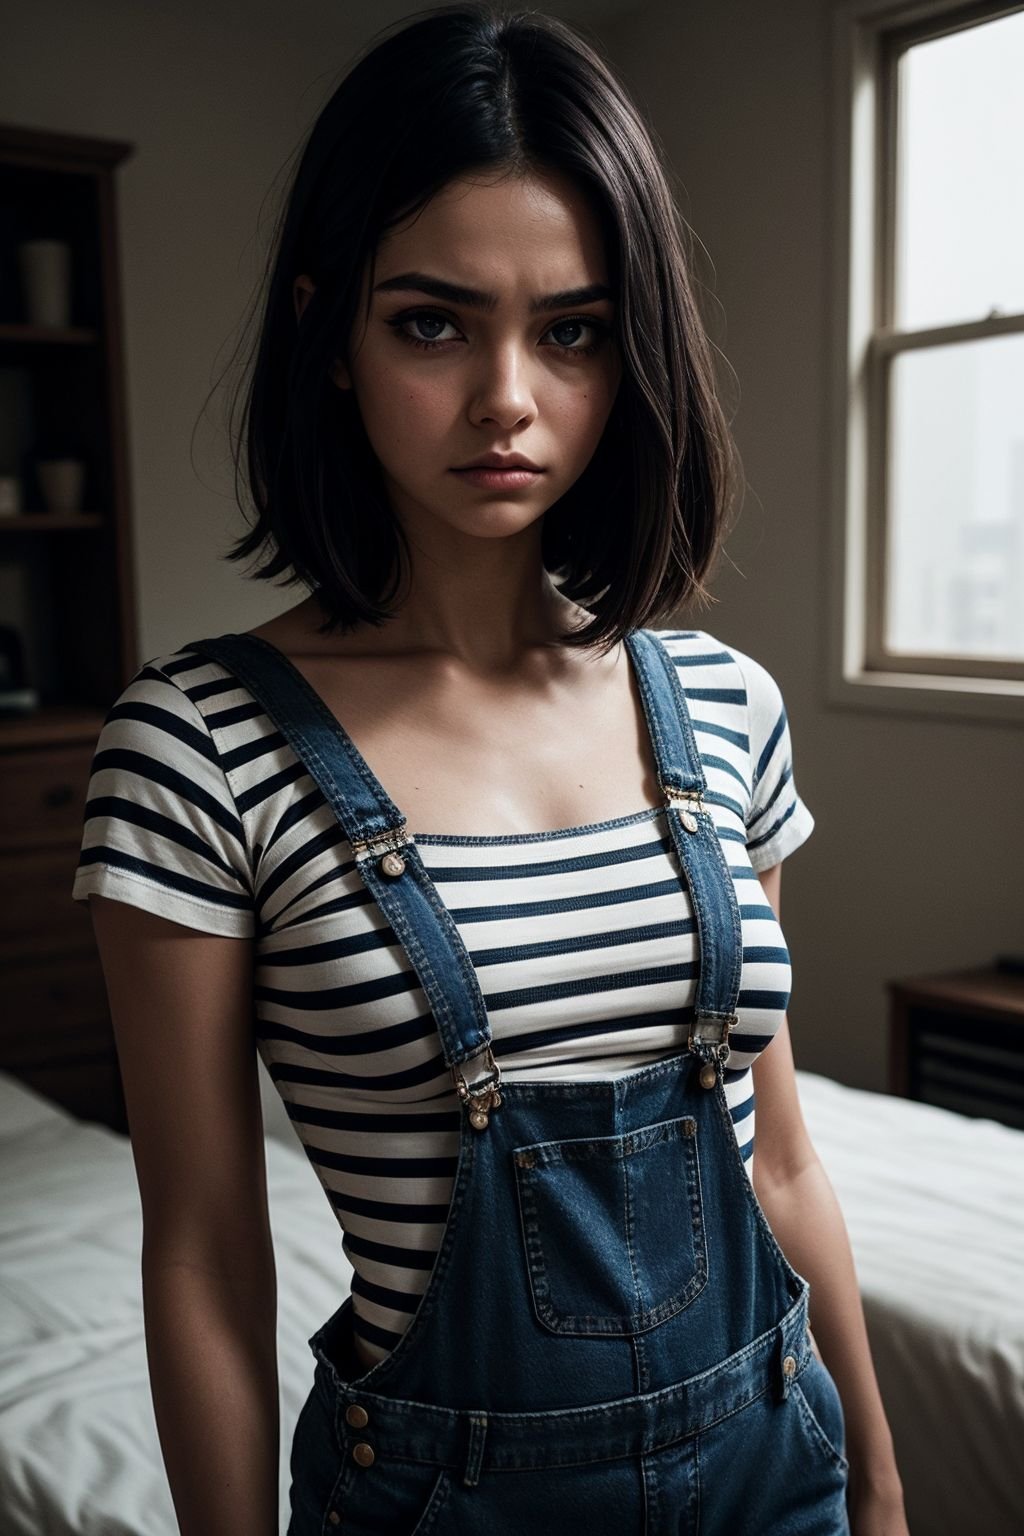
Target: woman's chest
465	757
585	946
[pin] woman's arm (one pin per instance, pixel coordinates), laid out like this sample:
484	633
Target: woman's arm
181	1004
804	1214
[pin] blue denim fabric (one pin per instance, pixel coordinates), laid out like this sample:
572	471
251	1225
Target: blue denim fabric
612	1342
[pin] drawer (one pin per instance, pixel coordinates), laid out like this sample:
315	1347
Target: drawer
37	914
56	1035
54	1007
42	795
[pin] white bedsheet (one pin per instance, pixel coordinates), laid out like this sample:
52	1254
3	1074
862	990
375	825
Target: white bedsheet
78	1443
933	1203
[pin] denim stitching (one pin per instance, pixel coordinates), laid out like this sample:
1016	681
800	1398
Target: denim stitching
442	1263
457	948
577	1149
598	1087
682	708
689	866
830	1450
238	663
628	1222
833	1457
662	762
792	1324
438	1498
732	987
333	724
553	1154
750	1195
507	1458
391	902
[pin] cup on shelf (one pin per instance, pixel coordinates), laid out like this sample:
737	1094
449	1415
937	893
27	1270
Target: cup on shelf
45	267
10	495
61	483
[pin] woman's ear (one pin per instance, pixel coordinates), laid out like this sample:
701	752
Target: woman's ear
302	291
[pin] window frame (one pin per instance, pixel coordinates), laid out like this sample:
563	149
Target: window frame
868	38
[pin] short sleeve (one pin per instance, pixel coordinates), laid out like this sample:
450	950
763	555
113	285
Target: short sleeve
161	828
778	820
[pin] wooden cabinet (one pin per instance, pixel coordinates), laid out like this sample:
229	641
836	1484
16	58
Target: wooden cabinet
67	604
957	1040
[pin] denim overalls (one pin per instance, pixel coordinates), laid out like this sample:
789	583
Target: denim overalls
611	1342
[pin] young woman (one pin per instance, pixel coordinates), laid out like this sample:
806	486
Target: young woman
488	866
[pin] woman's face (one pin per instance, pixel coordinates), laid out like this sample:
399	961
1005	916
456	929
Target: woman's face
441	379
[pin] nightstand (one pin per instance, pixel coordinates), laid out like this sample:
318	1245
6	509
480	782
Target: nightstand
957	1040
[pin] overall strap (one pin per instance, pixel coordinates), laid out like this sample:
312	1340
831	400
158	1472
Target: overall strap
712	892
385	854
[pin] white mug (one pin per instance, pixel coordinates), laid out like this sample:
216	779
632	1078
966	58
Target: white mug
61	481
10	495
46	281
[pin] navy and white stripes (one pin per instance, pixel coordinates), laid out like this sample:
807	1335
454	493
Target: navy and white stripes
583	938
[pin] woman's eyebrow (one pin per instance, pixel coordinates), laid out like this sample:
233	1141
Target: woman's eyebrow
454	293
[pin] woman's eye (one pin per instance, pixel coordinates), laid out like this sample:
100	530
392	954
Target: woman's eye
421	317
599	332
434	324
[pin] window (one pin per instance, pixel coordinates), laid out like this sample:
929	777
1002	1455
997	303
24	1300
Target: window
929	421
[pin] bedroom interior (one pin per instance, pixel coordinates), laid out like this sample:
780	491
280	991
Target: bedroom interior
127	253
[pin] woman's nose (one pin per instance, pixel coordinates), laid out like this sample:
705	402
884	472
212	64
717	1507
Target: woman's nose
504	392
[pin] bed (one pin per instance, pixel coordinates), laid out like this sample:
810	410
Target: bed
932	1201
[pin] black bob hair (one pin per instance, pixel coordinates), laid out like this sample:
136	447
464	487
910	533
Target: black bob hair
462	89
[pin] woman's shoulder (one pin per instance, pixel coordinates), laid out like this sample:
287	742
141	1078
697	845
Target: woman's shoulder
174	685
162	828
705	660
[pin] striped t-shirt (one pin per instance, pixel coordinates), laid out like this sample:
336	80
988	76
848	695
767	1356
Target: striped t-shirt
583	939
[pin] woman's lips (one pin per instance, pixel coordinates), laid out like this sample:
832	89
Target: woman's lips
500	479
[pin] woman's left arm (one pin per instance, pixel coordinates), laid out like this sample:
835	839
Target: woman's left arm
800	1204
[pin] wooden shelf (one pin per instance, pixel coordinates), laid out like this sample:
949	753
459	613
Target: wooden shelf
49	335
52	522
71	602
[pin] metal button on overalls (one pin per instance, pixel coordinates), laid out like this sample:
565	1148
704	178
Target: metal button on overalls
611	1341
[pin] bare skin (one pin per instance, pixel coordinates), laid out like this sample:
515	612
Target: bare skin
558	740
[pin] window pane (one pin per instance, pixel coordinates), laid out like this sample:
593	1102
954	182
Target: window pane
955	558
960	209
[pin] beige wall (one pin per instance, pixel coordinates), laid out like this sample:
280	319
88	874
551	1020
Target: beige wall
916	863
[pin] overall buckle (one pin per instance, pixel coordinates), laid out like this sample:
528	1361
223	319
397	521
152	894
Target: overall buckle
483	1096
709	1039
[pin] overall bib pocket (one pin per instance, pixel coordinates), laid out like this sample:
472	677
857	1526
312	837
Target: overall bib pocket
613	1228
